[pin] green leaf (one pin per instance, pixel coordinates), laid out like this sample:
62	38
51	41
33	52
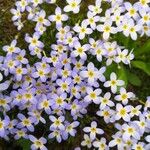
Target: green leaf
133	79
25	144
142	65
144	49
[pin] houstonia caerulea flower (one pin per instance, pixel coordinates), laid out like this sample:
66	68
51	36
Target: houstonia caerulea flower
41	73
135	111
92	74
16	14
117	141
123	112
80	50
132	30
5	102
21	133
82	30
21	57
95	9
132	10
36	2
40	19
70	128
44	103
58	17
34	41
57	123
73	5
130	130
107	29
92	19
113	83
87	141
26	122
64	84
56	133
3	126
124	96
38	143
59	101
105	101
93	95
22	5
93	130
12	48
19	72
107	114
101	145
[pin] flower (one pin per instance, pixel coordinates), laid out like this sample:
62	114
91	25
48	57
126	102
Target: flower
93	74
40	19
34	41
92	19
38	143
70	128
130	130
96	9
113	83
106	29
58	17
57	123
26	122
56	133
87	141
73	6
123	112
105	101
82	30
124	96
101	145
93	130
80	50
93	95
12	48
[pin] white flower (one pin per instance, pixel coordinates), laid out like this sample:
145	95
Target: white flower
106	29
92	20
135	111
123	112
87	141
105	101
58	17
101	145
93	130
132	10
80	50
93	95
124	96
96	9
117	141
92	73
82	30
113	83
107	114
132	30
73	6
138	146
130	130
